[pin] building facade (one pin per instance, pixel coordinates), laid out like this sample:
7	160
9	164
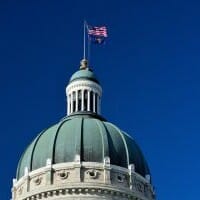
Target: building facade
83	156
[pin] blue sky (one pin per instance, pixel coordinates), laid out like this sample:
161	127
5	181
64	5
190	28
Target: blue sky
149	71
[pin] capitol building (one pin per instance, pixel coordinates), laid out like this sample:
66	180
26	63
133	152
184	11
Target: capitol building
83	156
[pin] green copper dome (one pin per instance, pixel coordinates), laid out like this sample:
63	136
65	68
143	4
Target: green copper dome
89	136
84	74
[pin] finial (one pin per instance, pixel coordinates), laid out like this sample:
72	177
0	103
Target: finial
84	64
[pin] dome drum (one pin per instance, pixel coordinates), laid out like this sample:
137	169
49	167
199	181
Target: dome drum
83	179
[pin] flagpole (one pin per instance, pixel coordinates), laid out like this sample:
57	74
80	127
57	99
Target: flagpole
89	55
84	41
88	43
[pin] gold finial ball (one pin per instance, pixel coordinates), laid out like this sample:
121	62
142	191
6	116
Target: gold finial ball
84	64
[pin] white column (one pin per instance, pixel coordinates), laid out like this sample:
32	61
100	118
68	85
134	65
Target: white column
98	104
94	101
82	100
68	104
76	100
72	106
88	101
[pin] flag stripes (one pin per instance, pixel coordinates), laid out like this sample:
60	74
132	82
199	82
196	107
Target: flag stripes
98	31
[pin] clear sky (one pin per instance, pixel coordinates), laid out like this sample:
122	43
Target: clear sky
148	68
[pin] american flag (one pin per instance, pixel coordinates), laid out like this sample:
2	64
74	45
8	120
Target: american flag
97	31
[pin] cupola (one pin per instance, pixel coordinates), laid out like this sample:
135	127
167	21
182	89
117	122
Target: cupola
83	92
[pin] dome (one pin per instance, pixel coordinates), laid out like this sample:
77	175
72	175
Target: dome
83	156
89	136
84	74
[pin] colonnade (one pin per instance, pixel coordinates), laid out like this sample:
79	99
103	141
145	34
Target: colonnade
83	100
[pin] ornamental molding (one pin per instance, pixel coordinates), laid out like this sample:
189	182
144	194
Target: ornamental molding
85	192
84	84
20	190
63	174
93	174
121	178
37	180
72	165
